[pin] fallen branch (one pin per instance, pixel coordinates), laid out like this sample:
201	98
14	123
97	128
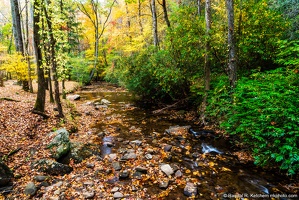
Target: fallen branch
5	157
169	106
8	99
45	116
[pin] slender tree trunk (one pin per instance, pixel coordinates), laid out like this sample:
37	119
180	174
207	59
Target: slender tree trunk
17	29
27	47
207	65
139	16
54	63
41	91
232	65
165	14
198	8
50	87
155	23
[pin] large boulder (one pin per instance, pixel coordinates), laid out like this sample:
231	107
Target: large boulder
60	144
81	151
51	167
5	174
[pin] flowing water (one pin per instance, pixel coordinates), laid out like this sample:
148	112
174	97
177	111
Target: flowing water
209	159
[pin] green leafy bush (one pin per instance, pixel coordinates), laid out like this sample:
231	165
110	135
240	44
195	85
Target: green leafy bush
265	115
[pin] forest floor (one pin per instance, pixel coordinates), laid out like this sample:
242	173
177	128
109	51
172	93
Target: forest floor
22	132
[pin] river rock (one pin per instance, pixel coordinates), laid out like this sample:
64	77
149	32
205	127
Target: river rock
73	97
190	189
118	195
116	165
129	155
30	189
60	144
164	184
136	142
124	174
80	151
51	167
141	169
148	156
178	130
105	102
40	178
166	169
89	195
167	147
178	174
5	174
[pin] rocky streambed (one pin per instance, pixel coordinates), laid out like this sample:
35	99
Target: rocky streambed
127	152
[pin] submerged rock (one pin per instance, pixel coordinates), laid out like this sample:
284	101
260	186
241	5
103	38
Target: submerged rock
178	130
190	189
166	168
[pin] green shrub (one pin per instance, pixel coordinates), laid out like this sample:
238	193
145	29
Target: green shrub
265	115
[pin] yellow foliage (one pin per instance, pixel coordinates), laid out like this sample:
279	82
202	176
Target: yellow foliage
17	65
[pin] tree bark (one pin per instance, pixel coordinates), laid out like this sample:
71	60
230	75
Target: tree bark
41	90
155	23
207	67
17	29
54	63
198	8
232	65
27	47
165	14
139	16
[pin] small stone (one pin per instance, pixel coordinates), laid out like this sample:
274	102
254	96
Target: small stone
89	195
190	189
40	178
137	175
129	156
167	148
73	97
178	174
115	189
90	165
112	156
118	195
164	184
141	169
116	166
30	189
148	156
88	183
124	174
167	169
136	142
105	101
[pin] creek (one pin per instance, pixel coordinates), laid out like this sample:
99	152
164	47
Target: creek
208	160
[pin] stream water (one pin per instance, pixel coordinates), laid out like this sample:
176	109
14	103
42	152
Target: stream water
220	175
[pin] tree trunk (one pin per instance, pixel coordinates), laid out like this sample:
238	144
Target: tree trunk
165	14
54	63
198	8
139	16
17	29
155	23
232	65
27	47
41	91
207	67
